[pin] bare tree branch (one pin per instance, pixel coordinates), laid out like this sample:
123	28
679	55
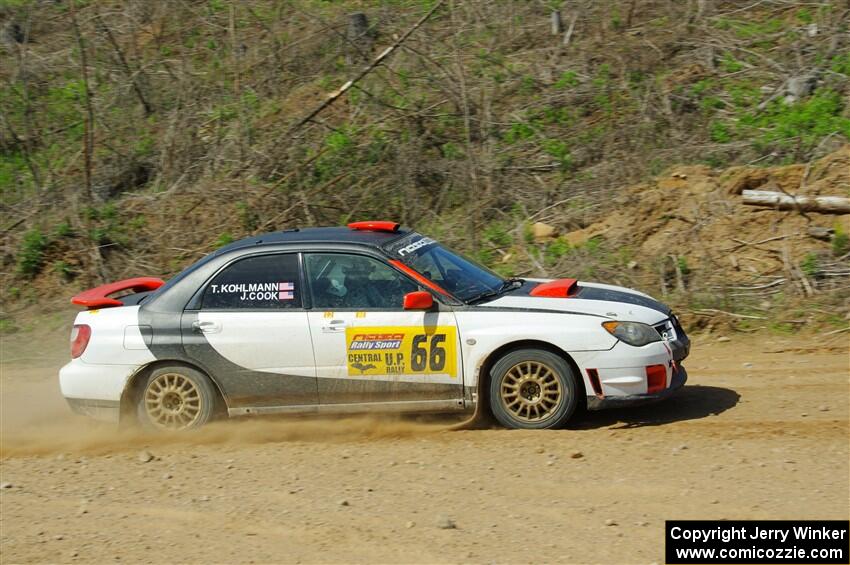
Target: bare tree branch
366	70
124	66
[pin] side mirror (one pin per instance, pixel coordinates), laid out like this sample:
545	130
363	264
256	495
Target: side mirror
419	300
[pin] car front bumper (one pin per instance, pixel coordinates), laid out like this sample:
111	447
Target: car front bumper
678	380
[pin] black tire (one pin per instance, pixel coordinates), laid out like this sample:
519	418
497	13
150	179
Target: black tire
176	398
523	385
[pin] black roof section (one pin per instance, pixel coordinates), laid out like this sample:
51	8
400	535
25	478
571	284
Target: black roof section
340	235
373	238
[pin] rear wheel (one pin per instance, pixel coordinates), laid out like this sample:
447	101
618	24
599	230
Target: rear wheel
532	389
176	398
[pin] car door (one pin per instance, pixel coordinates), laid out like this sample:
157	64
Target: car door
252	334
368	349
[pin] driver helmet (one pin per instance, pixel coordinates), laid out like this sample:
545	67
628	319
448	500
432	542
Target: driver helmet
337	288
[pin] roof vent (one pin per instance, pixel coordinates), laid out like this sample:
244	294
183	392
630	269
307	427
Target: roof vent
375	226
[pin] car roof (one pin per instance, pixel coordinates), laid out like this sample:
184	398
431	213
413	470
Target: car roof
343	235
340	235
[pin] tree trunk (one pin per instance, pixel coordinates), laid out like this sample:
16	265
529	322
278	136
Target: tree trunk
781	201
88	117
359	38
557	26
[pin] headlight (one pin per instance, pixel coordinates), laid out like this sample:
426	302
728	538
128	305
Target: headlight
633	333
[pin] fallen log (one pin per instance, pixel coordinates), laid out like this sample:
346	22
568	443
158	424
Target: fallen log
781	201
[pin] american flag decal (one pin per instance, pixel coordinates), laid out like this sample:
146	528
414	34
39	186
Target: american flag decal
286	291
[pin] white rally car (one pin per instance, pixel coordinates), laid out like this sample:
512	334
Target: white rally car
369	317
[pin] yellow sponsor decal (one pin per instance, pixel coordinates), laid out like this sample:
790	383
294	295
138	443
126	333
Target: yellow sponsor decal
329	314
401	350
360	314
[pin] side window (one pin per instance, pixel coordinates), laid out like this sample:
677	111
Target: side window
355	282
265	281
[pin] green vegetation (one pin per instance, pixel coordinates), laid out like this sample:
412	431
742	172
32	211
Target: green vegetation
720	132
616	21
247	217
779	124
555	250
466	136
7	326
560	151
498	234
569	79
224	238
107	227
810	265
805	122
517	132
31	254
64	270
841	64
730	64
64	229
840	241
782	328
752	29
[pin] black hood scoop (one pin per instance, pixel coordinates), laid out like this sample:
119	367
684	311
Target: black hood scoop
594	293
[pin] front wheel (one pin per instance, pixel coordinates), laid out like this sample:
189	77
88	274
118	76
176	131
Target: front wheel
532	389
176	398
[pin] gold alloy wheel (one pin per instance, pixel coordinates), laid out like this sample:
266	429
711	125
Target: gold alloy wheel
531	391
172	401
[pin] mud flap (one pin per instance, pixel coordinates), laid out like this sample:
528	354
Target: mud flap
481	419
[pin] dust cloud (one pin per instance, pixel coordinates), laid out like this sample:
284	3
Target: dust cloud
87	437
36	421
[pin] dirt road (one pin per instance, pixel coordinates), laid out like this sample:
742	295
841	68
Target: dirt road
760	432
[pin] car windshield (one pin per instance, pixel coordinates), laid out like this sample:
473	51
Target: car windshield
463	278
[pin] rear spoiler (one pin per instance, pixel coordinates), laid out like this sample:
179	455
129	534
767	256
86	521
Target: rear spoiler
98	297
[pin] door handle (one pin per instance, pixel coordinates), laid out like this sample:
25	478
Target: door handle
335	326
206	327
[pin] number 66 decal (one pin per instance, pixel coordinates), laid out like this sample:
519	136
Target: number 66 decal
377	351
434	357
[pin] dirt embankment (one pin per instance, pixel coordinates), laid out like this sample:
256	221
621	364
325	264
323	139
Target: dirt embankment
697	212
691	226
761	431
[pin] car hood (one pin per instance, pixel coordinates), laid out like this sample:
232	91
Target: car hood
606	301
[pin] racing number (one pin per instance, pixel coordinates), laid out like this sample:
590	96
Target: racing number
438	353
419	356
401	350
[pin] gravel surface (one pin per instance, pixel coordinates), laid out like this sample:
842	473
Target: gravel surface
761	432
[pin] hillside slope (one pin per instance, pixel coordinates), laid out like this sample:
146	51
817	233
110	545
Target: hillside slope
689	234
137	136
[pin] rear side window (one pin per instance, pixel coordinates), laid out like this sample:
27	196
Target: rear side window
266	282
